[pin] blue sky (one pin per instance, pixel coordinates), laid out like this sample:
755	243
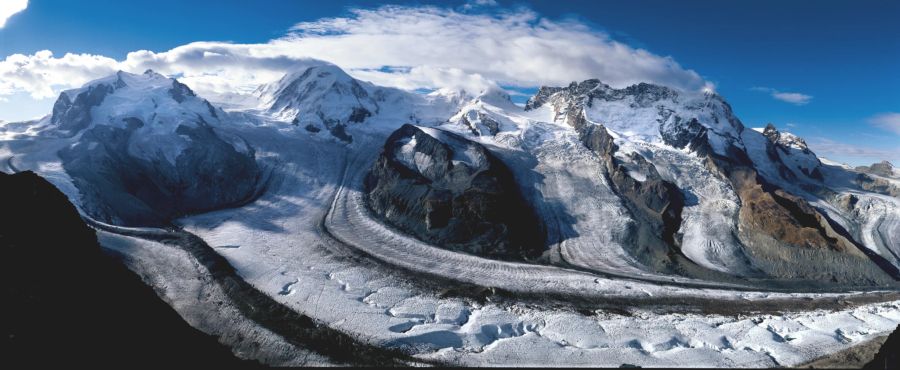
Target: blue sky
833	64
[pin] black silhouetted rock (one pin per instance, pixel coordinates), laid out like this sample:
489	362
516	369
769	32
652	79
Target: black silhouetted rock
888	357
65	302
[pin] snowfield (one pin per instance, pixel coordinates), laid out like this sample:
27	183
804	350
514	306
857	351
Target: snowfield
310	243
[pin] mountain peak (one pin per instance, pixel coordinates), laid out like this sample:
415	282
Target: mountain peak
322	97
151	98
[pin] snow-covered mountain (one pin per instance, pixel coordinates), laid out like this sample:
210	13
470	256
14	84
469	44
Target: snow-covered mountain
397	218
703	192
145	149
324	98
695	192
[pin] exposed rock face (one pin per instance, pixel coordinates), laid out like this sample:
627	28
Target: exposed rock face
792	151
653	199
877	185
452	192
888	357
785	236
480	123
682	134
155	155
72	116
654	203
883	169
104	315
782	235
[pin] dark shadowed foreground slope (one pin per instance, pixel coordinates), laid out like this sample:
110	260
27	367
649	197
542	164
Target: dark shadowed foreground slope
66	302
889	355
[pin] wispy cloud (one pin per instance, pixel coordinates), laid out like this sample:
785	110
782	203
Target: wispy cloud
8	8
427	47
472	4
833	149
887	121
788	97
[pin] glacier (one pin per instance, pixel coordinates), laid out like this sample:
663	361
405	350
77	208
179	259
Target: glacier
300	230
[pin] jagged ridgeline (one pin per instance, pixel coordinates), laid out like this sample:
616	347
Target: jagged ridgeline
146	150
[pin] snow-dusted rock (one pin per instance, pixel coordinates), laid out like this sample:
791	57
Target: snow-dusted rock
452	192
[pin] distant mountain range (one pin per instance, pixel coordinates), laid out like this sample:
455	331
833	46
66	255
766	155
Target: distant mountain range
644	182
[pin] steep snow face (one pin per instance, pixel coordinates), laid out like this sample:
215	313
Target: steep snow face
486	115
671	119
647	113
323	95
144	148
324	98
150	104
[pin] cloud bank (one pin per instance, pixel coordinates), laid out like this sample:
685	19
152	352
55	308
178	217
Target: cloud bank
406	47
8	8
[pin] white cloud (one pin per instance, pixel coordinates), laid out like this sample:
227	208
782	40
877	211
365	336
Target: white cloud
42	74
424	47
856	154
789	97
793	98
887	121
473	4
8	8
515	48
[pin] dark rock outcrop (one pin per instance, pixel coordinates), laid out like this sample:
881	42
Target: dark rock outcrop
883	168
680	134
877	185
786	237
888	357
65	302
482	124
454	193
